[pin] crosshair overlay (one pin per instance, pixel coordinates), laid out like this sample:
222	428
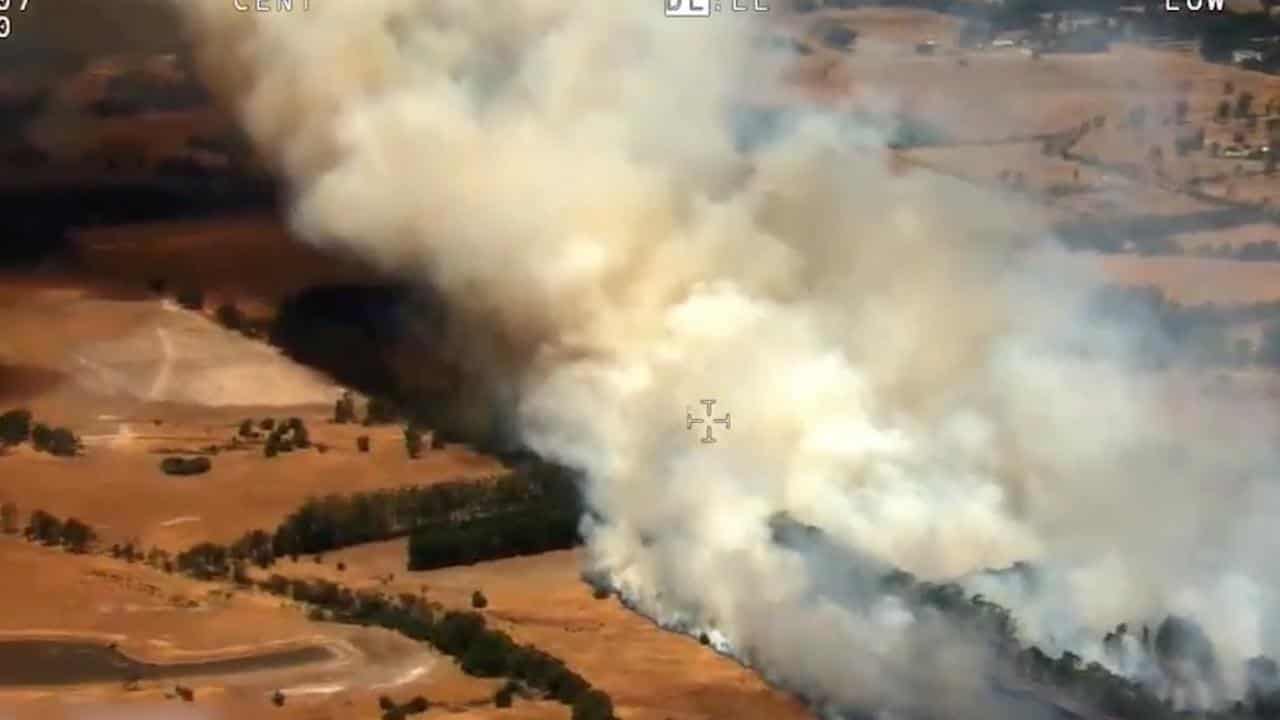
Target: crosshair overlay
691	420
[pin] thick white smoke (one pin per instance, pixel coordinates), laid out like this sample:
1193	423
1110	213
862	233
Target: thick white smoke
900	373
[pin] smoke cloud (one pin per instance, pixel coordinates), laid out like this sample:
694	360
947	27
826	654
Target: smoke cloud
901	372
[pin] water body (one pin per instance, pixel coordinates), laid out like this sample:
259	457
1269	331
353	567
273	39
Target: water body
55	662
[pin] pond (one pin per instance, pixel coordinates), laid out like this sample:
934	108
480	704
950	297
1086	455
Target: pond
56	662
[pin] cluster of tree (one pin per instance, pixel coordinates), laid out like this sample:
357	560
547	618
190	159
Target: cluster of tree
56	441
528	530
207	561
46	528
344	409
16	427
481	651
185	466
282	437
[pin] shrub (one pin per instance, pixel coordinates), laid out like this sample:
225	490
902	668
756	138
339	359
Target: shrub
267	424
246	428
386	703
185	466
277	699
15	427
362	443
417	705
479	601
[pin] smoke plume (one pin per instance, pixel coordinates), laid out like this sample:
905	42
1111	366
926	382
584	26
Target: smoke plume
901	373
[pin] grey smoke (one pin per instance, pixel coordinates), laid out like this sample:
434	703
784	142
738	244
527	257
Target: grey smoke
904	373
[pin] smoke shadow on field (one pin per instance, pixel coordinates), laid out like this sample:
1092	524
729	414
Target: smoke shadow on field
18	382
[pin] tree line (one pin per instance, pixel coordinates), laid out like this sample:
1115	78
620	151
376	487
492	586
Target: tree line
535	498
1196	334
1091	684
48	529
481	651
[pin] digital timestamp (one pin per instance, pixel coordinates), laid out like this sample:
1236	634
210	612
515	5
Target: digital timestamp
6	23
705	8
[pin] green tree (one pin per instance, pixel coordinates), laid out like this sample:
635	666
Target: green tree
15	427
63	443
344	410
77	536
503	697
43	527
593	705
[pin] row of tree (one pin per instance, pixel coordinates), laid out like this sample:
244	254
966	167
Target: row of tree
46	528
481	651
336	521
1176	641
